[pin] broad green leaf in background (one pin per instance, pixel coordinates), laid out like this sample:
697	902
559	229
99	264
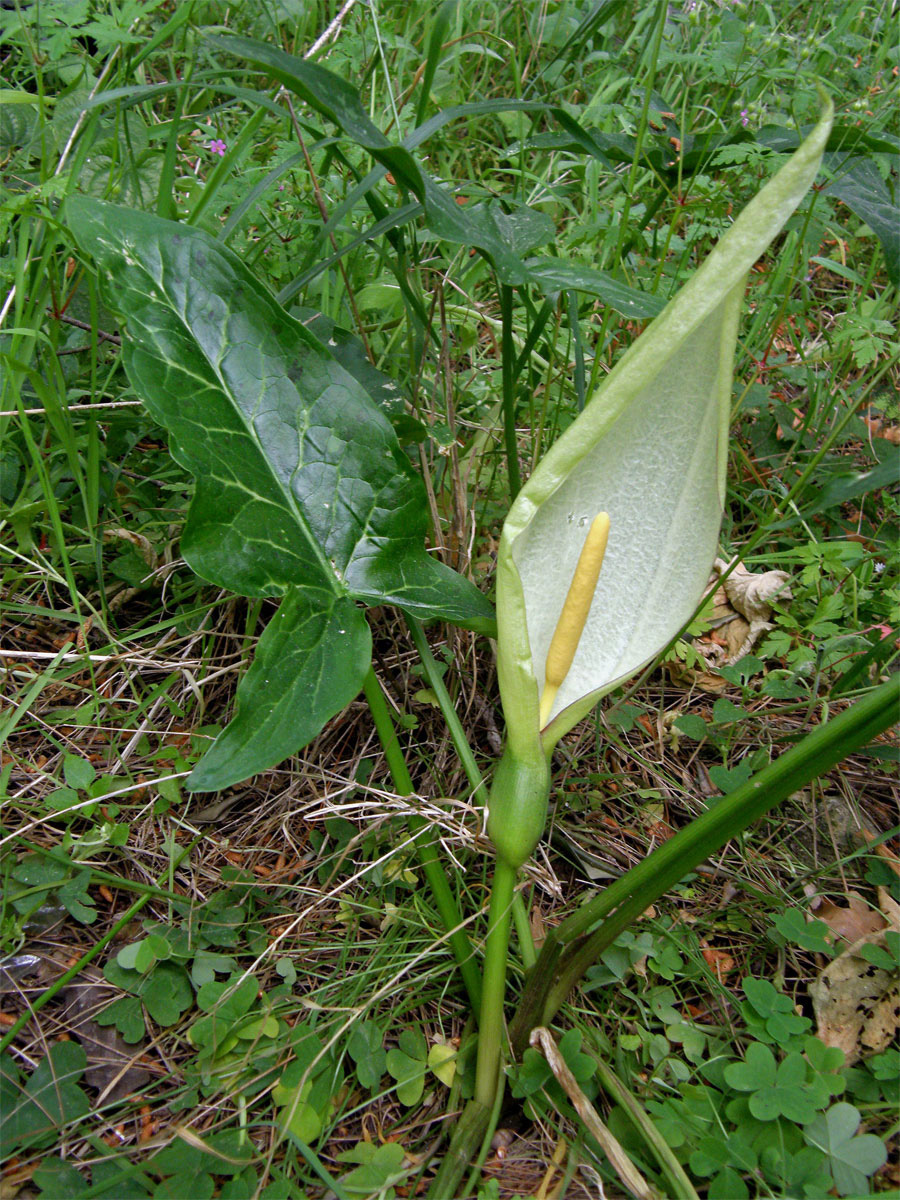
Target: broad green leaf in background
655	151
50	1101
303	492
554	275
860	186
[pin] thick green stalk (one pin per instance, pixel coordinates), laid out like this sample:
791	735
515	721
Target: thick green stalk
469	765
425	844
574	946
496	954
467	1138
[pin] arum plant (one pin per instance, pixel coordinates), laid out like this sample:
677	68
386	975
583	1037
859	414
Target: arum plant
607	549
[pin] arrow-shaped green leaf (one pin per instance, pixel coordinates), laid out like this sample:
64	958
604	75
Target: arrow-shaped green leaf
302	489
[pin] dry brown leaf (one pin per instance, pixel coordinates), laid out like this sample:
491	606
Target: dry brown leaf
720	961
866	836
878	428
690	677
710	683
753	595
857	1004
889	907
737	633
742	605
111	1063
538	928
850	923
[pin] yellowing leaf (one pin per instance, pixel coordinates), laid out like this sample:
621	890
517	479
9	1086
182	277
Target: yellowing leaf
442	1061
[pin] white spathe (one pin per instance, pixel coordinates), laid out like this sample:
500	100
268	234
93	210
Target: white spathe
651	450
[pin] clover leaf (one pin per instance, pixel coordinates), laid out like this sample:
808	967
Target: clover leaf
778	1090
365	1048
852	1157
407	1063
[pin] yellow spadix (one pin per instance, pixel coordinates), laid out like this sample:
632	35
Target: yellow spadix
574	613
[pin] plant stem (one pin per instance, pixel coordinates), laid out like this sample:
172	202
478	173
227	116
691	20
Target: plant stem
496	953
507	359
425	843
489	1130
467	1138
452	721
469	765
523	932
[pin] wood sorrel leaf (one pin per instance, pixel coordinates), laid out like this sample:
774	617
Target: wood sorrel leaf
302	489
649	449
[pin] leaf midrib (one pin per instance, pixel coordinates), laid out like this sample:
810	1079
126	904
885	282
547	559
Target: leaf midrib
327	568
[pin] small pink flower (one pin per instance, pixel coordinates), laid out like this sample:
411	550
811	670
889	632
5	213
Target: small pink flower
217	146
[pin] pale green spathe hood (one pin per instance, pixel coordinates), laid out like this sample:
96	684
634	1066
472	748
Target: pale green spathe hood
650	449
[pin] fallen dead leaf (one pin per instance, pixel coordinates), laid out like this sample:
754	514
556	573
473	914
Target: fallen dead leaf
538	928
721	962
111	1062
741	609
849	923
879	428
865	836
856	1002
737	635
750	597
889	907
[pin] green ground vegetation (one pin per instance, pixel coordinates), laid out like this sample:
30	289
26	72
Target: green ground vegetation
249	992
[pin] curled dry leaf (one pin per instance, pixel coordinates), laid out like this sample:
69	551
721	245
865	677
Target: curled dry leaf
720	961
750	597
740	615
